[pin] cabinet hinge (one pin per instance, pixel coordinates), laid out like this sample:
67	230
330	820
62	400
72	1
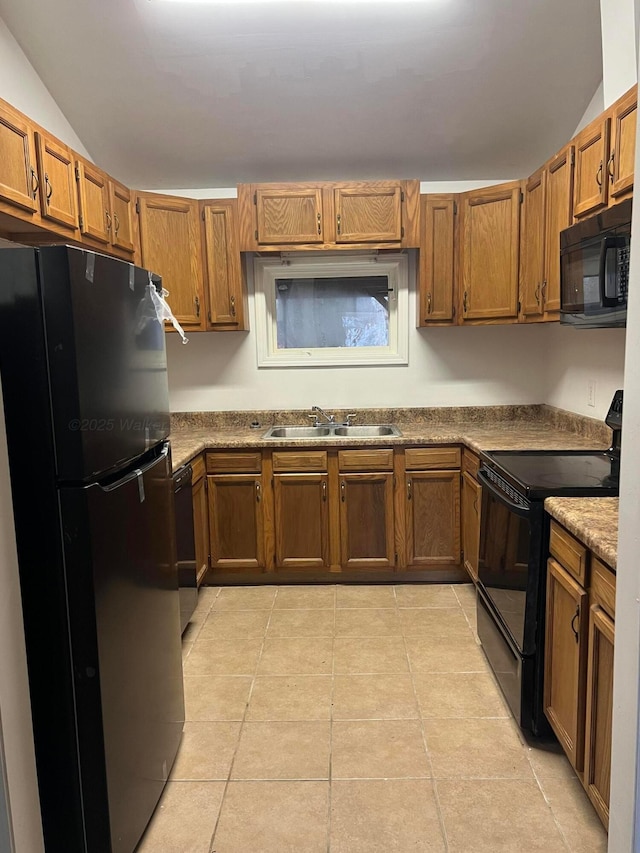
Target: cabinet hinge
137	205
402	231
81	221
519	307
256	233
401	195
521	196
455	208
77	174
255	198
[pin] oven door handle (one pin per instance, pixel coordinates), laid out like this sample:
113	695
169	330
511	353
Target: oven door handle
499	495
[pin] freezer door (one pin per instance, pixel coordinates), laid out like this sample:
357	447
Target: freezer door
107	361
126	647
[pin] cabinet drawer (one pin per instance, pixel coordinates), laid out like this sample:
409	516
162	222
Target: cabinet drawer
569	552
218	463
366	460
197	466
312	460
470	463
432	457
603	586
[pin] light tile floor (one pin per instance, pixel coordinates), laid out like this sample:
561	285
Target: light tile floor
356	719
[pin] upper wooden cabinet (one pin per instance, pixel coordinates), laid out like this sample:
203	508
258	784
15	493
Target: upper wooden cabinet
18	177
226	293
121	205
436	276
277	217
620	165
489	251
56	170
592	154
547	210
170	243
93	198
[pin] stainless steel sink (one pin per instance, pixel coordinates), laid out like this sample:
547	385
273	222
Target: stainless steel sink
332	431
298	432
363	431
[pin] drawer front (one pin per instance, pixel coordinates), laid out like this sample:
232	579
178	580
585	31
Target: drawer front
569	552
425	458
197	466
312	460
220	463
366	460
470	463
603	586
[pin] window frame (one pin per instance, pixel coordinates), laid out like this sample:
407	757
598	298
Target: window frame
266	270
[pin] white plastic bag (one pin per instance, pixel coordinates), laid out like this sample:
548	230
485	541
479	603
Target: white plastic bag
163	311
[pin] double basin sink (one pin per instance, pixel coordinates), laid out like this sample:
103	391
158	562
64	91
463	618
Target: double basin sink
332	431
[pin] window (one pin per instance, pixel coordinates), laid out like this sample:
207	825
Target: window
331	310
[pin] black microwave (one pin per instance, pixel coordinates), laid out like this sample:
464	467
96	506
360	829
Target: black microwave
594	269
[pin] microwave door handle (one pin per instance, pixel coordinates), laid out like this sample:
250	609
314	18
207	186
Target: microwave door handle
523	511
608	244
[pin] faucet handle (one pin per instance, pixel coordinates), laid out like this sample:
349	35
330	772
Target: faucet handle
314	418
350	418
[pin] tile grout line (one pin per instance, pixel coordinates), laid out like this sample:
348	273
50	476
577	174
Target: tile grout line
242	722
565	840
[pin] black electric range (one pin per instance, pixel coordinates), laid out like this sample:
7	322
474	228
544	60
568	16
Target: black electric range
514	537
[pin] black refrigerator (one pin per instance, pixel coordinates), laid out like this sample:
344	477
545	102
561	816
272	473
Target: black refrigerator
84	381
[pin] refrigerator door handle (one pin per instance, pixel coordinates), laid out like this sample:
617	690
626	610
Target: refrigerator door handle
137	473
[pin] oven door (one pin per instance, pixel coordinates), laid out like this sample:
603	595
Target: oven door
510	563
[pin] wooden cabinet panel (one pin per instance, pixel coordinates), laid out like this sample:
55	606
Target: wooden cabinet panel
572	554
470	462
170	244
366	521
368	213
289	215
435	288
56	172
301	520
93	197
621	164
300	460
236	521
200	524
490	236
532	254
427	458
558	217
565	660
603	586
597	773
433	518
224	274
592	153
18	178
365	460
219	462
471	501
121	205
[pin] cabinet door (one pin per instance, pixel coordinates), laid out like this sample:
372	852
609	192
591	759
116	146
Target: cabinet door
301	520
366	521
559	216
93	197
56	172
471	502
435	290
18	178
532	248
201	527
222	259
565	660
121	206
592	153
170	244
368	213
490	249
236	521
289	215
433	518
623	145
597	772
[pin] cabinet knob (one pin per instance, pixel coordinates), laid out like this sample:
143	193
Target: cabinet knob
233	306
343	491
108	219
428	303
339	223
324	490
319	223
116	222
408	490
197	302
35	183
575	616
599	175
465	302
610	165
257	492
49	187
537	294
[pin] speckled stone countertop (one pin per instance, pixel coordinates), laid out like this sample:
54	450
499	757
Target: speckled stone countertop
594	521
479	428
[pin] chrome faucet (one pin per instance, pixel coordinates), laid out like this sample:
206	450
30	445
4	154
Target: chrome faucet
331	419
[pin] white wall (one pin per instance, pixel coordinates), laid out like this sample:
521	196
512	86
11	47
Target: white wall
619	60
23	89
596	106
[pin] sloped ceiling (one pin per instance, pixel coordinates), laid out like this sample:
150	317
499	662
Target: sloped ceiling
167	94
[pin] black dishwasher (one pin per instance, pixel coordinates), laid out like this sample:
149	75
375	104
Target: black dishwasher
185	544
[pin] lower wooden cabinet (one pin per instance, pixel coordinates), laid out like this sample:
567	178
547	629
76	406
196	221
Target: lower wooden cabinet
471	500
579	648
236	521
200	518
301	520
366	520
433	518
